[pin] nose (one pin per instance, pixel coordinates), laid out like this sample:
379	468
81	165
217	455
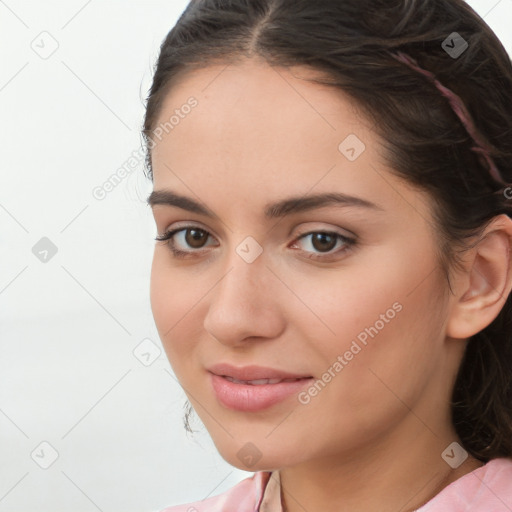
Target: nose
245	304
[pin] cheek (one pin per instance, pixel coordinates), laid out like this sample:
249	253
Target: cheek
378	380
371	322
383	292
340	306
172	304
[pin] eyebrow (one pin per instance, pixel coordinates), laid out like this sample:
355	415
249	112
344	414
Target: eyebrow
279	209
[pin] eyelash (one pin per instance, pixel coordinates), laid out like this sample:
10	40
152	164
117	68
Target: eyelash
168	235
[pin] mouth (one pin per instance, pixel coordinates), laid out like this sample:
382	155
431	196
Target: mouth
254	388
254	373
260	382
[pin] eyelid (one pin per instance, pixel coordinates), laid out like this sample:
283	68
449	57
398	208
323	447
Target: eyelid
302	231
348	241
183	225
338	231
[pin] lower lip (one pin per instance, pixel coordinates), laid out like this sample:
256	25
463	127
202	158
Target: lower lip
251	398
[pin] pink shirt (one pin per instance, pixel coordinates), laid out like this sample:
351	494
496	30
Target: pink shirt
486	489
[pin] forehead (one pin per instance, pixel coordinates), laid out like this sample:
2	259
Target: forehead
250	112
265	132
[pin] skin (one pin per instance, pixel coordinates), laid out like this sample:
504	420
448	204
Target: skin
372	439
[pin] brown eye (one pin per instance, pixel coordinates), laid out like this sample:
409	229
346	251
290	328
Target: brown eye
195	238
324	241
322	244
185	241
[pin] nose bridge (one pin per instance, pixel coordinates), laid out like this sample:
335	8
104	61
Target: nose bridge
241	305
243	282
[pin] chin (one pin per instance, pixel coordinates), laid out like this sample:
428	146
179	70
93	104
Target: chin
251	458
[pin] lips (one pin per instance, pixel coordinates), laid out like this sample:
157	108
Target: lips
258	382
253	374
254	388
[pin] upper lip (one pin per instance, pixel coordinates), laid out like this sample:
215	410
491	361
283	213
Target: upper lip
252	372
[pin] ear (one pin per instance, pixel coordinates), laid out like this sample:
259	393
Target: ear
483	289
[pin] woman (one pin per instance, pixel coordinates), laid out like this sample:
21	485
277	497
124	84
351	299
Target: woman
332	278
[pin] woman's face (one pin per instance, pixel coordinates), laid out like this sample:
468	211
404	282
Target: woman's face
358	304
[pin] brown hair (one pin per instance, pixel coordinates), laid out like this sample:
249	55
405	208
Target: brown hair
349	43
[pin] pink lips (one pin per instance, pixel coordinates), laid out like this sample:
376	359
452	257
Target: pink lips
256	395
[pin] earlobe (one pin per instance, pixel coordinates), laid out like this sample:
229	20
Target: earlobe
487	282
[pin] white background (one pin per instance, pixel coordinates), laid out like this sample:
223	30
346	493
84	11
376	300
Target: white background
68	374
